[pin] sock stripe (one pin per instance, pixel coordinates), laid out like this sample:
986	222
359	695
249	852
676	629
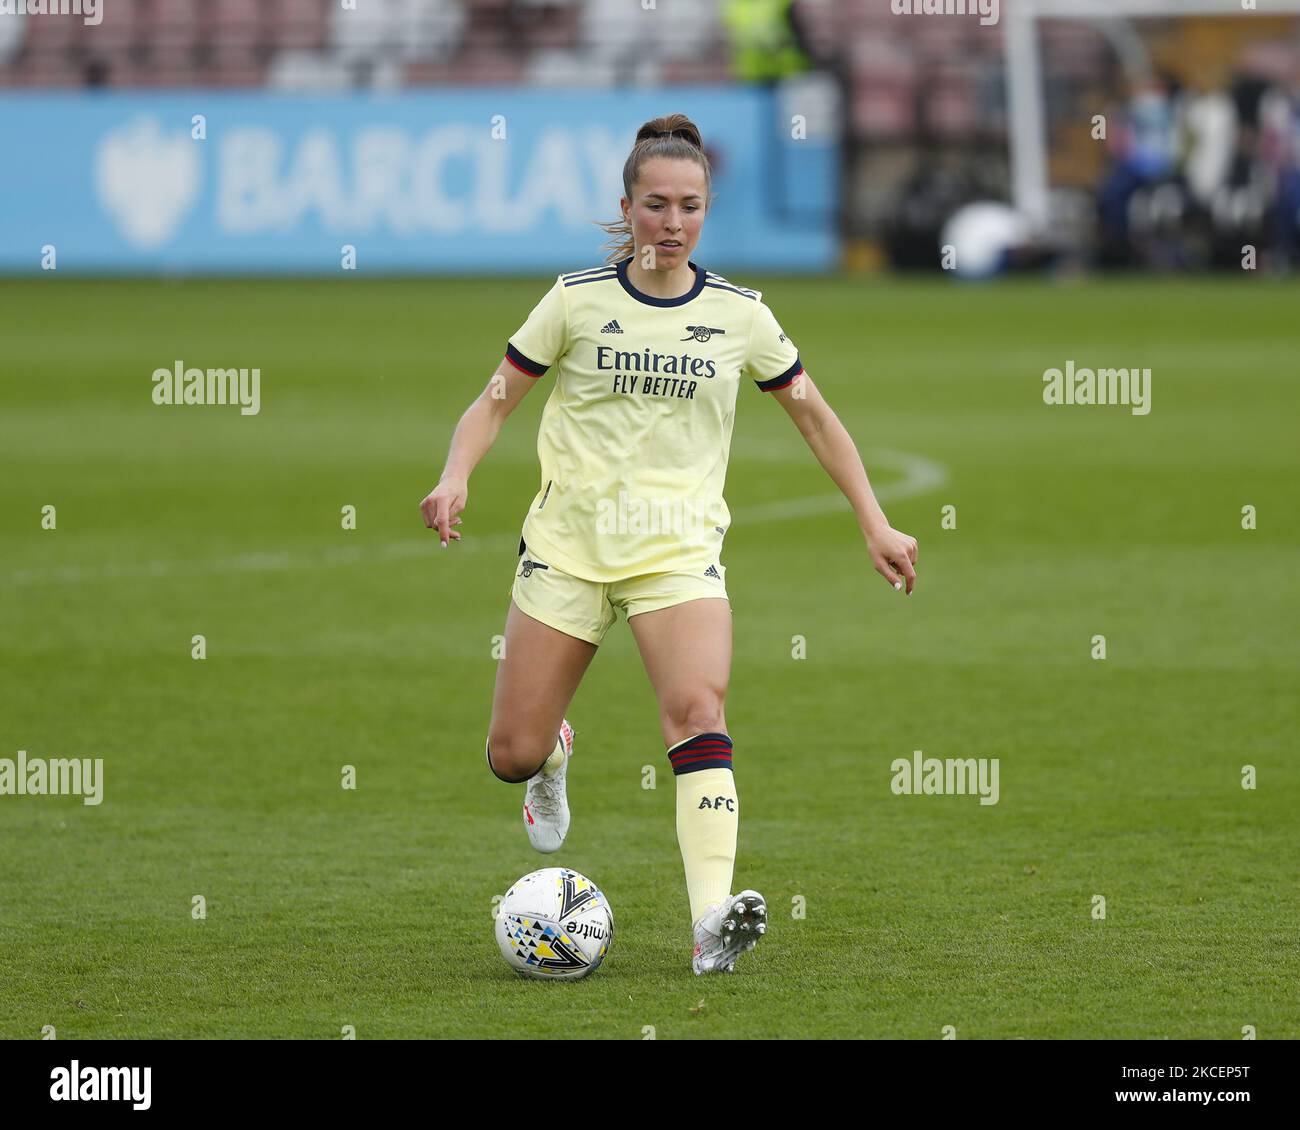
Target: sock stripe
704	751
700	739
700	743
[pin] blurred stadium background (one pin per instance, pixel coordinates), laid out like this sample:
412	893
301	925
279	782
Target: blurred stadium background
852	133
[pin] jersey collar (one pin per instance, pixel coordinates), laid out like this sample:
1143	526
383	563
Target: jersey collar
650	300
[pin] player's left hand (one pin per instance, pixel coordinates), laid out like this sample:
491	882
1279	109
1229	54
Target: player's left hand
894	555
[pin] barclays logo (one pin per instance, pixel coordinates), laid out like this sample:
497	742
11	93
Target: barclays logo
147	181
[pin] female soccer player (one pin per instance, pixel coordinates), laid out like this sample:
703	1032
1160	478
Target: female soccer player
649	351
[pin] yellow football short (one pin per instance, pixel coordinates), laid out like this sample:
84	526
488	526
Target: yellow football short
587	609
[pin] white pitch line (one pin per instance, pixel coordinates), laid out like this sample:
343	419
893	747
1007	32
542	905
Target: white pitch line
920	475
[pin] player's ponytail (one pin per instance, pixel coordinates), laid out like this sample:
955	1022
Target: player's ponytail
673	135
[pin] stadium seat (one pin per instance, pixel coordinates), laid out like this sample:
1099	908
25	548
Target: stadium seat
822	22
715	69
48	71
232	23
986	43
307	71
162	75
397	29
881	60
882	110
942	38
1074	51
580	67
174	26
296	24
489	25
50	33
232	68
952	108
484	68
118	31
853	15
545	24
618	28
429	29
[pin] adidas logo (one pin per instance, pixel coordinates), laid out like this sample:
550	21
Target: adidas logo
712	572
612	327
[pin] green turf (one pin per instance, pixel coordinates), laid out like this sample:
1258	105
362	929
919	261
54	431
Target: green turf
374	648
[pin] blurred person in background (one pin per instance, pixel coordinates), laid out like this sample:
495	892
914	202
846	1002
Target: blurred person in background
1143	141
1279	144
768	40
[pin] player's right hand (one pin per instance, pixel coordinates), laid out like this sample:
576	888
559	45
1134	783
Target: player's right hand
442	506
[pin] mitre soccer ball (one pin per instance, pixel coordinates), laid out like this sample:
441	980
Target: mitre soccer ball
554	924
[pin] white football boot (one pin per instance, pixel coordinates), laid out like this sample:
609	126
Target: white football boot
546	807
726	931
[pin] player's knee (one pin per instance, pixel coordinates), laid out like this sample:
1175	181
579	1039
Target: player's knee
515	756
698	713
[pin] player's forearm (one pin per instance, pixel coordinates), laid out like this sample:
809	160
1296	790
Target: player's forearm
836	452
472	439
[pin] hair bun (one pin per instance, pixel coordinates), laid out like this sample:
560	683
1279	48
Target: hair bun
673	125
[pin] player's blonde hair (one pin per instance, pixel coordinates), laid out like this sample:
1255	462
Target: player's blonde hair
674	136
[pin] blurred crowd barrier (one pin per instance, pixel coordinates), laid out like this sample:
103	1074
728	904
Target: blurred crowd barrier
452	181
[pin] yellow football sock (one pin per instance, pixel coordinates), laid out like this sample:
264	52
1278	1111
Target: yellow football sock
552	764
708	816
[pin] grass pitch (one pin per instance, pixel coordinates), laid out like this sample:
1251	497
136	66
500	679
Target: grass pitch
1119	777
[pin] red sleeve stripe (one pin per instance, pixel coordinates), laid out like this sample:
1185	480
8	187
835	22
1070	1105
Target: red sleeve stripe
524	364
785	379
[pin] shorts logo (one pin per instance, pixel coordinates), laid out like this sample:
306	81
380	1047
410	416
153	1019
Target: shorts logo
526	567
701	333
712	572
611	327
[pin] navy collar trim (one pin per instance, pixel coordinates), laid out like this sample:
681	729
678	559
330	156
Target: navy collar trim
650	300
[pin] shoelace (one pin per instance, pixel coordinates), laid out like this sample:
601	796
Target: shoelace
546	797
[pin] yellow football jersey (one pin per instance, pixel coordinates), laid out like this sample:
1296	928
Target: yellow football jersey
635	437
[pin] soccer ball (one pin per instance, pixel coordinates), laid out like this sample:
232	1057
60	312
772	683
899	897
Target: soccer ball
554	924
